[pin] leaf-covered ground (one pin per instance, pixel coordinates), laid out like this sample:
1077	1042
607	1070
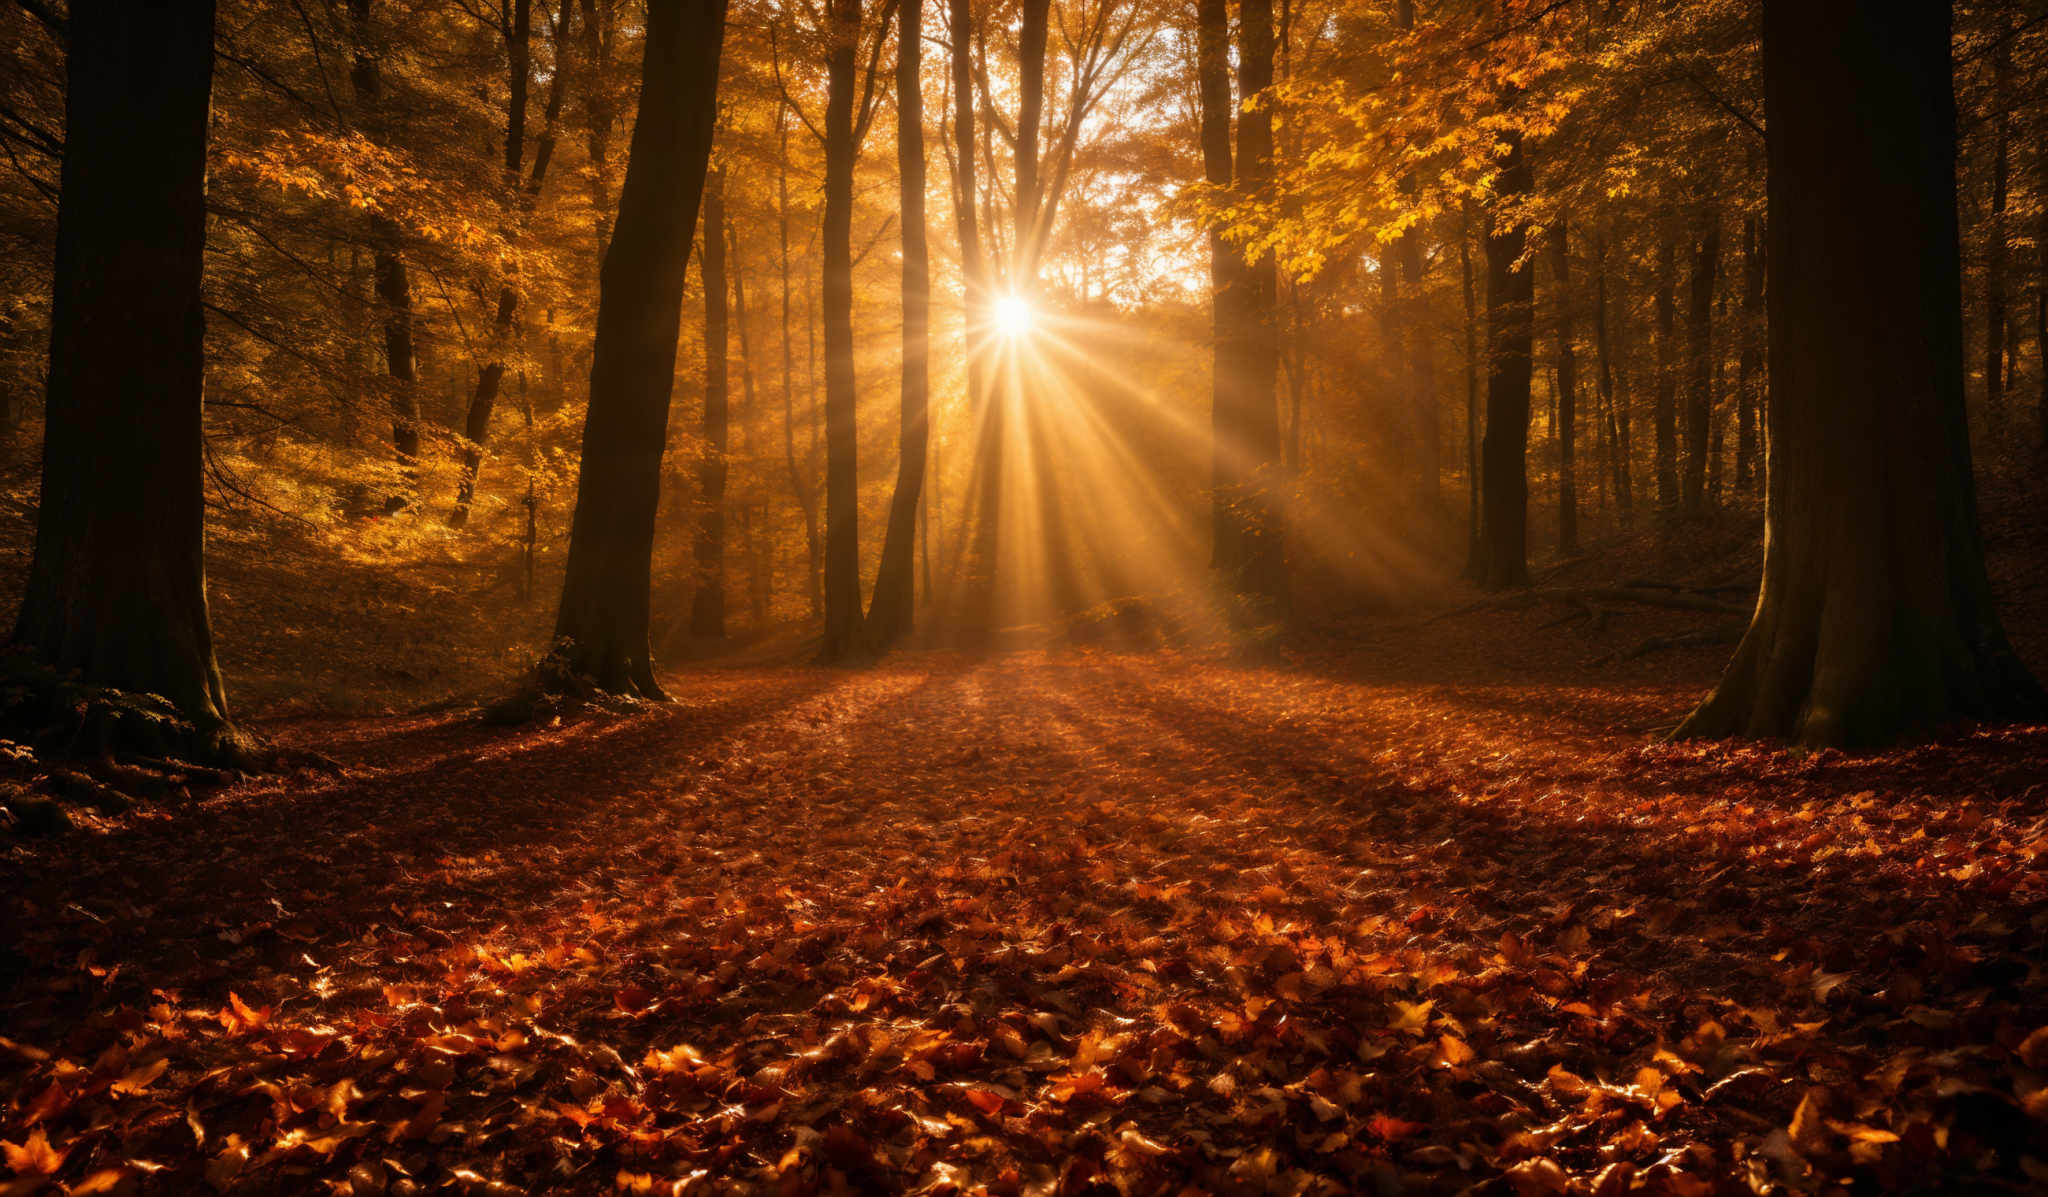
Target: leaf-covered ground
1048	925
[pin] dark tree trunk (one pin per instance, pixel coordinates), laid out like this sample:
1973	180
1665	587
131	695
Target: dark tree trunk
843	624
388	272
1421	367
117	586
760	568
601	632
890	612
1699	358
1749	367
1617	415
2041	291
707	607
600	30
1474	547
1511	339
1567	399
1875	619
1667	374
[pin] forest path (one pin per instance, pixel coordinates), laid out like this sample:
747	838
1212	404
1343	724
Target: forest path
1142	921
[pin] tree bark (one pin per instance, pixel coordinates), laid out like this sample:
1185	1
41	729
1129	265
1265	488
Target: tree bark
707	606
843	623
1511	337
1262	569
1699	357
890	612
1875	619
1567	398
1474	546
1749	367
117	585
601	631
1616	414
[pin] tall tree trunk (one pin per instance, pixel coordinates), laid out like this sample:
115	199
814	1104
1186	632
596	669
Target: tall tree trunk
1511	338
1226	282
1421	366
1567	398
1749	367
1474	548
806	498
760	570
1875	619
1699	357
890	611
601	631
600	30
1616	415
843	630
117	586
1667	373
2041	289
707	606
1263	568
388	272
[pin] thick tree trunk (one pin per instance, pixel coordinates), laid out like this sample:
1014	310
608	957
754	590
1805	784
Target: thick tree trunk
843	624
1511	339
890	611
1567	398
117	586
1667	374
1749	367
1699	357
601	631
1875	619
707	606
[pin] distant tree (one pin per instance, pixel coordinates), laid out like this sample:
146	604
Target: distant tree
1875	619
392	281
601	630
117	586
1567	396
707	605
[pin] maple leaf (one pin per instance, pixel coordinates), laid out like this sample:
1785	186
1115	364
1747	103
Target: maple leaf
1412	1017
35	1156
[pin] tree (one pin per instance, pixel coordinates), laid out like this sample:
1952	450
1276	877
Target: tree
393	283
1567	397
889	612
707	605
601	630
1699	356
117	586
846	126
1875	619
1511	341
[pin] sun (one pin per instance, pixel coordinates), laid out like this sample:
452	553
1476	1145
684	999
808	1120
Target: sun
1013	315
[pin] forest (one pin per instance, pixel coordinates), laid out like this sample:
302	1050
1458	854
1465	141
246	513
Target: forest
1024	598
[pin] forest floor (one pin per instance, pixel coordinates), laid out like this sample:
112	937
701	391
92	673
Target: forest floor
1385	918
1418	905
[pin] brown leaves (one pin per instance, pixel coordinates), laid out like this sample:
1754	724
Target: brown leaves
1175	928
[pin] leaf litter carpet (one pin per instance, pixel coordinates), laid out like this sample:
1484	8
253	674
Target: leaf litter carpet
1047	925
